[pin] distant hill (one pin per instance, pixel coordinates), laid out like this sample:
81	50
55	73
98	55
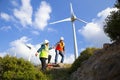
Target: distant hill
103	65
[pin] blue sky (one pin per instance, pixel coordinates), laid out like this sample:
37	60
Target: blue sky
27	22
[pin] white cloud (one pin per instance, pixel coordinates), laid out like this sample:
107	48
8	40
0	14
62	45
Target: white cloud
24	14
14	3
69	58
35	32
82	49
4	16
103	14
19	49
51	30
52	53
5	28
42	15
2	54
93	31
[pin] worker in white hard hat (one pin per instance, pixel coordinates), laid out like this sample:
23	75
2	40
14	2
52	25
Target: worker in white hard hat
43	54
60	49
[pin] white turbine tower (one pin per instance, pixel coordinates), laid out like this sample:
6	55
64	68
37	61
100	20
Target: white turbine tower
72	19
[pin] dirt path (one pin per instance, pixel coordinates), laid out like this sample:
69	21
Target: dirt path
58	72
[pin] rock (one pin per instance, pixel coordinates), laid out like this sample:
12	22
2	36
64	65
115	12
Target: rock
61	65
103	65
55	66
106	46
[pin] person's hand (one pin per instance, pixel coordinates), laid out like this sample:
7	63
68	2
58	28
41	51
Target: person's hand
36	54
53	47
64	52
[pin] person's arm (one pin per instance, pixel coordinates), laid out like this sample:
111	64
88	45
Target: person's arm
55	45
50	48
40	49
64	47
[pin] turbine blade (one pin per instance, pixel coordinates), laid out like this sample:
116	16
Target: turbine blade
28	46
71	9
81	20
67	19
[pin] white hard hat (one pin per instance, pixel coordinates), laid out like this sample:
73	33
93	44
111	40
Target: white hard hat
46	41
62	38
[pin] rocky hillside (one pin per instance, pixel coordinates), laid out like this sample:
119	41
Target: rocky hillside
103	65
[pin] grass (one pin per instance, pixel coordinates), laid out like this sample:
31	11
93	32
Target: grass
58	73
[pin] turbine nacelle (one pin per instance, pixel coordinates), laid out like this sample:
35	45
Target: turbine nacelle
73	18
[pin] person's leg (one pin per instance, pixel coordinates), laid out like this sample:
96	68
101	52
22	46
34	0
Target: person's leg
43	63
49	58
62	55
56	56
41	59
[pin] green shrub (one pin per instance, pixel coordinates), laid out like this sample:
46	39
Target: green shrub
84	55
112	24
19	69
1	69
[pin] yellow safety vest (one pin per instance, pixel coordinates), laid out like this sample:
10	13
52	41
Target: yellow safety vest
44	52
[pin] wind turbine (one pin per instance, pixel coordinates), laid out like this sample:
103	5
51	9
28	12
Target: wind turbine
72	19
30	53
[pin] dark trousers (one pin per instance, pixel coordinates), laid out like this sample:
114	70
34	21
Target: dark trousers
49	58
56	56
43	63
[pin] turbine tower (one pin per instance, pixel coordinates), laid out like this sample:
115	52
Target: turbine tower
72	19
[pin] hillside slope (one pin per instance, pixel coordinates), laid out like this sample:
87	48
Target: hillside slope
103	65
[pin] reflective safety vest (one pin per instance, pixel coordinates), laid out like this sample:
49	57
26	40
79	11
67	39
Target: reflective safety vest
44	52
60	46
